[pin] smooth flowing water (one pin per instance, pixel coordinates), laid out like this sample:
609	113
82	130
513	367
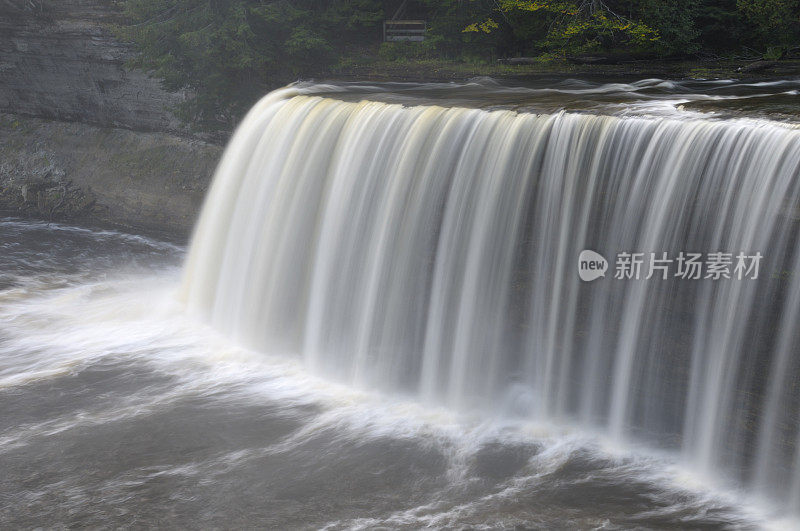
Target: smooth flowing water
380	322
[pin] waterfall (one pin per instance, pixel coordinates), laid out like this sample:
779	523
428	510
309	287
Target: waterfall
433	252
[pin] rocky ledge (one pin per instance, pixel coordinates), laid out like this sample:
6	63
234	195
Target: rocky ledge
59	59
66	171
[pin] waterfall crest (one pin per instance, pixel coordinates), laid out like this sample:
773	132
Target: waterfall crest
433	251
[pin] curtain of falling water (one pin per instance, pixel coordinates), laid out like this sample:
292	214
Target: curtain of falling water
433	252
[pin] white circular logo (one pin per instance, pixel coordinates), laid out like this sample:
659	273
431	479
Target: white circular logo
591	265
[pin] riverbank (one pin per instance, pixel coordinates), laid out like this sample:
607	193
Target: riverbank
373	68
64	171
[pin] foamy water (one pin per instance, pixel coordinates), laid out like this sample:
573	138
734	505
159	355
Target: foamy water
118	409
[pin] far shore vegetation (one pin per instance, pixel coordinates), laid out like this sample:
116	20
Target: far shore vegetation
227	53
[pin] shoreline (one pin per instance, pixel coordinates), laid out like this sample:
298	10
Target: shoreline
71	171
439	70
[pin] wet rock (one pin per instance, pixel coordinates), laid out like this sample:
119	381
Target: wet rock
757	66
62	171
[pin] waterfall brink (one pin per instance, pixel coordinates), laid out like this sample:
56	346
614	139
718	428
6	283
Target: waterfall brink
433	251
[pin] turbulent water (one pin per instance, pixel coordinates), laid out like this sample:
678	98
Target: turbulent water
380	323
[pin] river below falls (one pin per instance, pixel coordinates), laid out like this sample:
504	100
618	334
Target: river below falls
117	410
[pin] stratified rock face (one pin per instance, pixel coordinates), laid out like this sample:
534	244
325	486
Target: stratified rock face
59	170
59	59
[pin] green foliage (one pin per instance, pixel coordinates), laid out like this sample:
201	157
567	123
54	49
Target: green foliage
402	51
447	21
674	21
720	27
776	23
227	53
570	27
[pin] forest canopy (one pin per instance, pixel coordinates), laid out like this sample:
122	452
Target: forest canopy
228	52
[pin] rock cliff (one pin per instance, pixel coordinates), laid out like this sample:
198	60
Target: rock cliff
81	135
59	59
58	170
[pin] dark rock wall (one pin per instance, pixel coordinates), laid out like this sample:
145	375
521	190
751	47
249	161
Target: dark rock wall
81	135
59	59
58	170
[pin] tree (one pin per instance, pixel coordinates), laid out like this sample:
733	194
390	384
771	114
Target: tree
777	23
228	53
570	26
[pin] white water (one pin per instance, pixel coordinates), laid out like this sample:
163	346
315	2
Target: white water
119	411
432	252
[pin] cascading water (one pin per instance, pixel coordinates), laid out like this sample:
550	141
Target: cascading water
433	251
